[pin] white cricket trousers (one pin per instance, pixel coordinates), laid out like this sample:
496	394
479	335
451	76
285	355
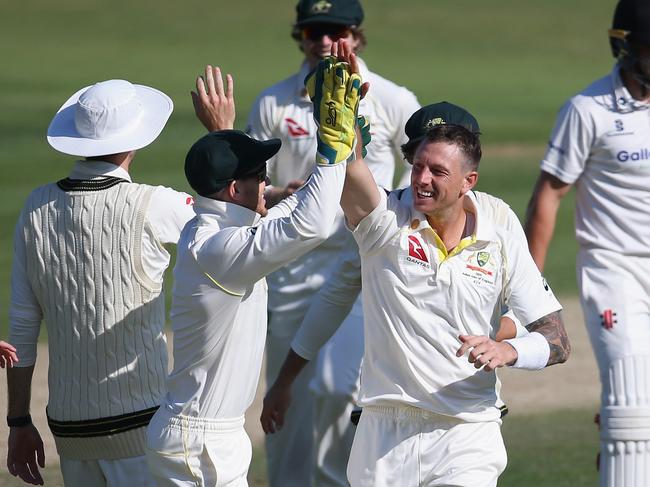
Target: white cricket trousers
187	451
335	387
615	296
106	473
410	447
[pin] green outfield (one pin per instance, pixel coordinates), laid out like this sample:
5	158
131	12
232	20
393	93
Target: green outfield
510	62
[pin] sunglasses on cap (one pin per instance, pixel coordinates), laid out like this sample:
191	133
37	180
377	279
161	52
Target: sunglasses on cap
315	32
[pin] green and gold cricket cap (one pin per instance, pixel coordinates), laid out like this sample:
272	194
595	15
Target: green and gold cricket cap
443	113
340	12
220	157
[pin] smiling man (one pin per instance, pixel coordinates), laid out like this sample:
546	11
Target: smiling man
284	111
435	271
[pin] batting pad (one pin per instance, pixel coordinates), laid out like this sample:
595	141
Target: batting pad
625	424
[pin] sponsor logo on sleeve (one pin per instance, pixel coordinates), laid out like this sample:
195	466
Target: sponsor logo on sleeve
557	148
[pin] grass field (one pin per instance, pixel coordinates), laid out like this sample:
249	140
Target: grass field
511	63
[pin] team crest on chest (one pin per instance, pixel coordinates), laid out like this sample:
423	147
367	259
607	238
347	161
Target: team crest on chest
481	267
482	258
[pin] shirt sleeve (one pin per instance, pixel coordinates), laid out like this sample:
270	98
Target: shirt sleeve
25	314
283	208
168	212
570	144
526	292
377	228
331	305
238	256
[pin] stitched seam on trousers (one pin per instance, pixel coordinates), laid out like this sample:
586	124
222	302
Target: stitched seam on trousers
419	458
185	431
164	453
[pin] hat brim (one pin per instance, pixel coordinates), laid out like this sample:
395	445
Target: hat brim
266	150
63	136
324	19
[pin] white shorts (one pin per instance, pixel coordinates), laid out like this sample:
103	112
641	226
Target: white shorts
410	447
184	451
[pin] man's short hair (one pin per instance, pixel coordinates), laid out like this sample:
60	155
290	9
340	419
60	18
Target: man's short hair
467	141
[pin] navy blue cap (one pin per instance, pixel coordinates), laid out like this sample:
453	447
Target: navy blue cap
220	157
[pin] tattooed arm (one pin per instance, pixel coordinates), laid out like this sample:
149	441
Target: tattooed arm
551	327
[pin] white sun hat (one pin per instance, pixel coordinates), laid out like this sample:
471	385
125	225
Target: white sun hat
109	117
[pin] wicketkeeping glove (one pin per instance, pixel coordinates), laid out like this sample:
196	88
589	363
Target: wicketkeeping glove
364	128
335	93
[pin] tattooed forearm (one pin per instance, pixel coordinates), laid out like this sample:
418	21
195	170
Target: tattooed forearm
552	327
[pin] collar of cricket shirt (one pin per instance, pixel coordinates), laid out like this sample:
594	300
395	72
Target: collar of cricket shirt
229	214
483	230
95	169
624	102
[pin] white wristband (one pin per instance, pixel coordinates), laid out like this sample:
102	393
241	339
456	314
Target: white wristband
533	351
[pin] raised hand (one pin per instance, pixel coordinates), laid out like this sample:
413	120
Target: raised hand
214	106
335	90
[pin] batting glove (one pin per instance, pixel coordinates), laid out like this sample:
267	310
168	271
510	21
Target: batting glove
335	93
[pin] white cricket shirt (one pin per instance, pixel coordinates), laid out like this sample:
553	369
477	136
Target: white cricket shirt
601	143
285	111
417	299
336	298
219	299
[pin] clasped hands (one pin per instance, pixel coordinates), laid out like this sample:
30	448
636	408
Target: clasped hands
335	88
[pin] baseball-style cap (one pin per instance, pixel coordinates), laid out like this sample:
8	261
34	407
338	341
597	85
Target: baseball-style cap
223	156
341	12
443	113
633	16
109	117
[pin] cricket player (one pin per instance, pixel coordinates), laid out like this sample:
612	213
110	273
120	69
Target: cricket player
89	259
219	303
284	111
435	272
327	327
600	145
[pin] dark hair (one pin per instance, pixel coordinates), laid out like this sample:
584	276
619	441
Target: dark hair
467	141
357	32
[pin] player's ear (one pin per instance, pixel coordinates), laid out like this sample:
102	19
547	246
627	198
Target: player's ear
470	180
233	190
